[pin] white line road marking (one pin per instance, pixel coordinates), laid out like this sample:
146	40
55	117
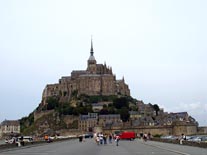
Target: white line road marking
171	150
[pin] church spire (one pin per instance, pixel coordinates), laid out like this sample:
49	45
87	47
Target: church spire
92	58
91	46
91	61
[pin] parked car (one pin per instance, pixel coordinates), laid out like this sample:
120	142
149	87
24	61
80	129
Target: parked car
204	139
10	141
26	138
88	135
169	137
194	139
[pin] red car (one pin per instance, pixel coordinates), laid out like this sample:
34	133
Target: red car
130	135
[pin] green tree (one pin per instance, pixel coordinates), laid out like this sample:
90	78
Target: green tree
104	111
67	110
52	103
111	110
121	102
124	112
156	108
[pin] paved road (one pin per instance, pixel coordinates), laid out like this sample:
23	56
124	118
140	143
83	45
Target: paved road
137	147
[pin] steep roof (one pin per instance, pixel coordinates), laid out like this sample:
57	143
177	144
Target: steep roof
10	123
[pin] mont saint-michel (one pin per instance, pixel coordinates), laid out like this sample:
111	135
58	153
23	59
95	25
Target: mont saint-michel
94	99
97	79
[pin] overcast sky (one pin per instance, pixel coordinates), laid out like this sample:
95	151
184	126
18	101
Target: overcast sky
159	46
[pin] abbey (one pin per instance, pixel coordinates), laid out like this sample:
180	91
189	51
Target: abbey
97	79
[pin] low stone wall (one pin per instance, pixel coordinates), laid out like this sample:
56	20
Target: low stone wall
174	141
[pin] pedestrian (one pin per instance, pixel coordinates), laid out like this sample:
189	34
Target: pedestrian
105	138
46	137
110	138
117	138
101	138
145	137
182	138
149	136
22	141
97	140
80	138
141	135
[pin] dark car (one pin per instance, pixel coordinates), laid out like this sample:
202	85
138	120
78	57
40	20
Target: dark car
88	135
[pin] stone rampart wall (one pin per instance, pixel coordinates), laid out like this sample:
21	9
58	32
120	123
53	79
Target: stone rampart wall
38	115
158	130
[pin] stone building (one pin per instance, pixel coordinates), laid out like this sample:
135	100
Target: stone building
134	115
9	127
92	120
110	120
97	79
87	122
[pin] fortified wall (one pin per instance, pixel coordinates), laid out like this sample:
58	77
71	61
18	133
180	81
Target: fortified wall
159	130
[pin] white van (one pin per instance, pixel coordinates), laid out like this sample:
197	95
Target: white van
25	138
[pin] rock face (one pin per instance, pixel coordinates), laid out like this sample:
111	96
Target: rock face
97	79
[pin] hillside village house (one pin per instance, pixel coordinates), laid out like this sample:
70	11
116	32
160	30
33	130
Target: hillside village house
87	122
9	126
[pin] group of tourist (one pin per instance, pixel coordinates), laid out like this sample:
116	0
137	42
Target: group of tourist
101	138
145	136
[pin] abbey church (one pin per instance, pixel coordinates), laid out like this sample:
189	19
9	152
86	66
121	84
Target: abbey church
97	79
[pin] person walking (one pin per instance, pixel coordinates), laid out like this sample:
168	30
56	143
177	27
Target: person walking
101	138
117	138
110	138
97	140
105	138
182	138
80	138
